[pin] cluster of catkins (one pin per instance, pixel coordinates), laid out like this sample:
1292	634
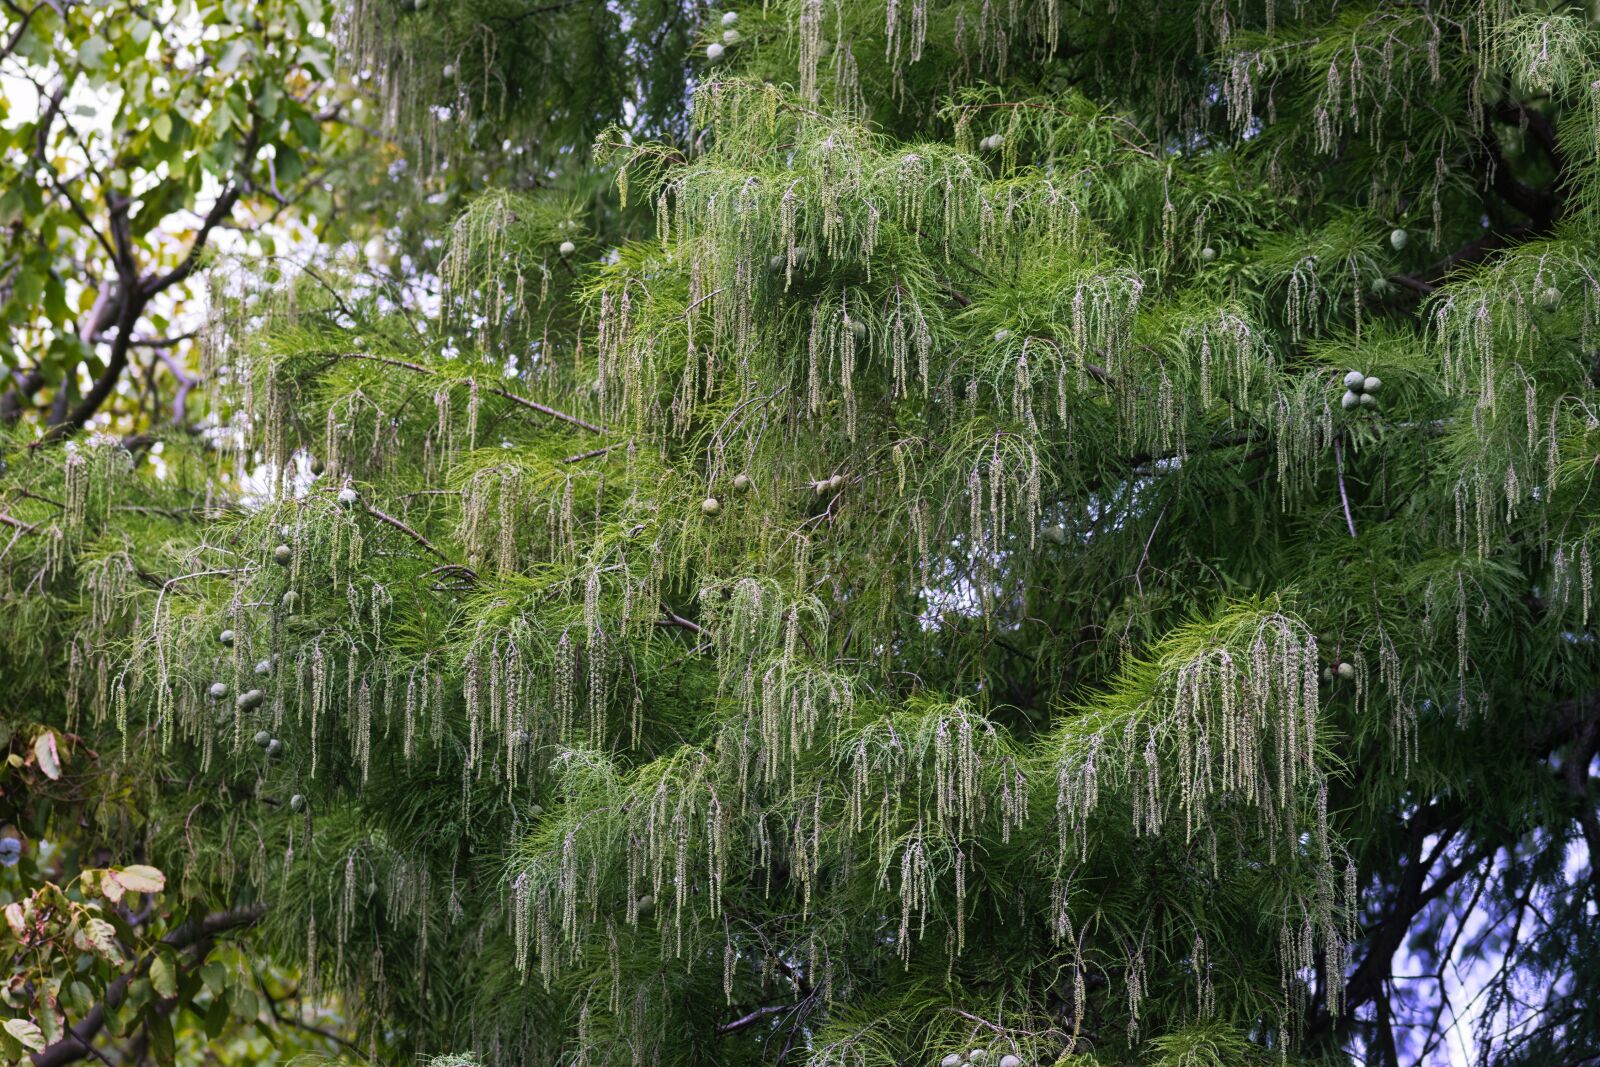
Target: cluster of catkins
1360	390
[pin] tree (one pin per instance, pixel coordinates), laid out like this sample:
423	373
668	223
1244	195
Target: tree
1023	534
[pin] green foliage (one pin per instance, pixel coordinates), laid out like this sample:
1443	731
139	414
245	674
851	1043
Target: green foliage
1017	533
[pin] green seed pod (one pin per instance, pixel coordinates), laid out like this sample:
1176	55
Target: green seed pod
776	263
289	599
977	1055
1398	239
741	483
1368	400
1353	381
1349	400
1208	254
952	1060
730	17
730	37
297	803
836	483
282	555
275	748
1345	670
1056	534
710	506
250	699
218	690
647	905
263	739
264	666
1002	336
566	249
348	497
1550	298
226	637
1009	1060
1372	385
858	329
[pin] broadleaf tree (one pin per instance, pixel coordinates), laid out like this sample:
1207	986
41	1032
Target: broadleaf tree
1013	533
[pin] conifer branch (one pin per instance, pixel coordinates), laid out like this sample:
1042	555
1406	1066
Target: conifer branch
390	520
505	394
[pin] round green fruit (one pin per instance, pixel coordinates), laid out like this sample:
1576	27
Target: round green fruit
741	483
1208	254
226	637
218	690
282	555
1398	239
275	748
263	739
1350	400
710	506
1372	385
1354	380
297	803
1345	670
1368	400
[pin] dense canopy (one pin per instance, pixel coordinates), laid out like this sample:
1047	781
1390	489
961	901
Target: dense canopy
834	532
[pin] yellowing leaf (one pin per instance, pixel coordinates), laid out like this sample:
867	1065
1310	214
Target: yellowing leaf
16	918
110	886
102	938
48	756
137	878
26	1032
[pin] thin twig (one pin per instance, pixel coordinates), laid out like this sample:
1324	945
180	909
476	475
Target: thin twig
1344	497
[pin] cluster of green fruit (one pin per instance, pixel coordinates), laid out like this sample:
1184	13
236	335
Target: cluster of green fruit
1344	670
1360	390
977	1057
711	506
778	263
992	143
730	36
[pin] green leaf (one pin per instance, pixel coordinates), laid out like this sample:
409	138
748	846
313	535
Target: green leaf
164	976
162	1043
215	976
162	125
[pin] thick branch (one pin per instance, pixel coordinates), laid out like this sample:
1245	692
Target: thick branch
75	1046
